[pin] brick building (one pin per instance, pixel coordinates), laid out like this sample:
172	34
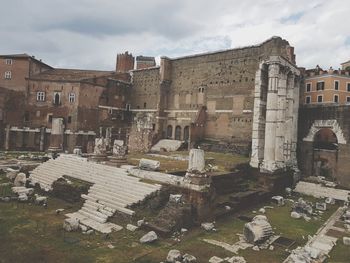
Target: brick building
14	69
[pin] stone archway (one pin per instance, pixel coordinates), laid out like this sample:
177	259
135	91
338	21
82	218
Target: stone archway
169	132
178	133
325	154
320	124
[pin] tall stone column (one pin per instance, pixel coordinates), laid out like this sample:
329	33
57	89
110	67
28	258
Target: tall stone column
295	120
56	138
289	129
42	139
271	119
7	137
281	119
258	133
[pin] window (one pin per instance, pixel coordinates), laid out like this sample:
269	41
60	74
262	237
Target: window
57	98
320	85
127	107
40	96
49	119
336	85
26	116
308	99
144	105
71	97
8	75
69	119
348	99
336	99
319	98
348	87
110	111
8	61
308	87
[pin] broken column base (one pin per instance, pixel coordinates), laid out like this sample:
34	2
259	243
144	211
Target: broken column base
98	158
116	161
198	178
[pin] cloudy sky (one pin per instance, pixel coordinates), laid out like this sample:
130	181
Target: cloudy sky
89	33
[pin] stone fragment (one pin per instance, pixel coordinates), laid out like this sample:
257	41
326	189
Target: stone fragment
227	208
140	222
149	237
215	259
321	206
20	179
90	231
237	259
262	210
176	199
256	248
330	201
11	173
60	210
173	256
295	215
23	197
110	246
346	241
196	163
208	226
257	230
131	227
271	247
151	165
187	258
70	224
183	230
40	200
279	200
83	228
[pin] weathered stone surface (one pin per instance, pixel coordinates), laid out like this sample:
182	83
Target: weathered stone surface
208	226
140	222
167	145
175	198
196	163
11	173
20	179
70	224
187	258
173	256
257	230
131	227
147	164
346	241
100	146
236	259
149	237
23	197
119	150
215	259
279	200
321	206
295	215
40	200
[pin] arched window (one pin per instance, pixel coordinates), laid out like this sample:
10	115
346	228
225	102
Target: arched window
186	133
178	133
169	132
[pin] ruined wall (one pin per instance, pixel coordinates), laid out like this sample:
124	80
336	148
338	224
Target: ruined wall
307	117
221	81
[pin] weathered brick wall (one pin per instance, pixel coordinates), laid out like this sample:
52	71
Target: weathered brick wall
306	155
221	81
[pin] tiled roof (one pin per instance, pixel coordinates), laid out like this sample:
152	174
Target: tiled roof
70	74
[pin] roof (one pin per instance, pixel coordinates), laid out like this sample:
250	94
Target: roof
69	74
26	56
144	58
345	62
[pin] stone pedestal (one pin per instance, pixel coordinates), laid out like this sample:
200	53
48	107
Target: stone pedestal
119	151
56	138
99	154
196	168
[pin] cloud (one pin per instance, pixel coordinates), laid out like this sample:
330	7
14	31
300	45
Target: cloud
89	34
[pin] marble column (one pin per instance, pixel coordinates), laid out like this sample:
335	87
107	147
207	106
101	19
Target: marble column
42	139
258	133
271	119
56	138
7	137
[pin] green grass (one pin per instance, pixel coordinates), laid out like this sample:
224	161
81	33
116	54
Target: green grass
30	233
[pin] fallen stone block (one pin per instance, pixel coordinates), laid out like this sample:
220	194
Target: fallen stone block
321	206
40	200
208	226
20	179
23	197
71	224
257	230
176	199
151	165
278	200
140	222
11	173
237	259
173	256
215	259
346	241
187	258
131	227
149	237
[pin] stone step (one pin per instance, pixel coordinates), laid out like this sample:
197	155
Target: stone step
98	208
110	199
92	216
118	207
136	191
94	212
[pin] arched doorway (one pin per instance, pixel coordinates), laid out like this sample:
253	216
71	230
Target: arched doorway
325	153
186	133
169	132
178	133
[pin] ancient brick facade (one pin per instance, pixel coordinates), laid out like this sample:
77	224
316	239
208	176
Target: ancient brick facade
223	82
